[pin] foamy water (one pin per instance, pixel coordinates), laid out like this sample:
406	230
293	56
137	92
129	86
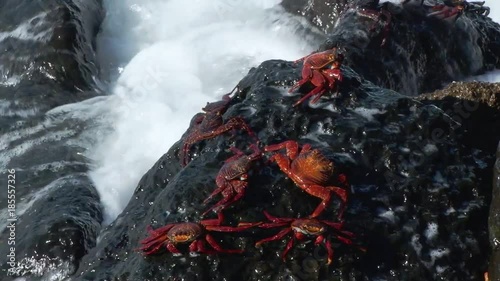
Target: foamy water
174	57
171	58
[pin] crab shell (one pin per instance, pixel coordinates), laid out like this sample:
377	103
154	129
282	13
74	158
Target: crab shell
311	227
313	166
184	232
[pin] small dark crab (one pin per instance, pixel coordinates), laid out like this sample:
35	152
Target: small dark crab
379	13
456	8
319	230
210	124
453	9
196	234
231	180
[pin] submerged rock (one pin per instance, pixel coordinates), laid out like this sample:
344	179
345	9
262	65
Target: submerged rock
420	181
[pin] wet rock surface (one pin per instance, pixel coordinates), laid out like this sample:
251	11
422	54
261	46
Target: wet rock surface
47	55
420	180
320	13
52	241
494	222
50	42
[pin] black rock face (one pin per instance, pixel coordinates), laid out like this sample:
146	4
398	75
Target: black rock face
494	222
50	51
420	184
52	241
321	13
48	60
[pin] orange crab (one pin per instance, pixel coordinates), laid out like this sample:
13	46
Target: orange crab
306	227
231	180
310	170
196	234
322	70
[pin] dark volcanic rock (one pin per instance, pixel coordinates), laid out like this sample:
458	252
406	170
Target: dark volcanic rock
419	199
494	222
56	231
47	58
420	180
321	13
49	50
470	104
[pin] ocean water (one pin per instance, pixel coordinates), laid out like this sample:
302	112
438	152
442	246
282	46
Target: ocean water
165	60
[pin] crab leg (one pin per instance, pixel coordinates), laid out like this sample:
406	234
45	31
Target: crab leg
211	241
215	225
319	90
278	236
172	248
199	247
273	224
298	84
147	248
325	193
276	219
236	122
158	234
337	225
292	148
229	197
289	246
329	250
446	12
214	193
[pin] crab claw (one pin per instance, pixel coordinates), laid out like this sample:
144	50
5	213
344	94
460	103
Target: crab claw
445	12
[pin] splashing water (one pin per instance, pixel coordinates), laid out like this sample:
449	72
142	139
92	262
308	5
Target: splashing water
172	57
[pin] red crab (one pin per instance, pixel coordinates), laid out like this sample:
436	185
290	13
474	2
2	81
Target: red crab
231	180
378	13
316	71
310	170
210	124
303	228
188	232
455	8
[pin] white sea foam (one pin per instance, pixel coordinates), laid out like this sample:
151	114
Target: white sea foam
173	58
431	231
368	113
29	30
